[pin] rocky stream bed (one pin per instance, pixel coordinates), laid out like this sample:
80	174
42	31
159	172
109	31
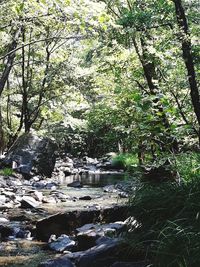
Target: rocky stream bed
76	217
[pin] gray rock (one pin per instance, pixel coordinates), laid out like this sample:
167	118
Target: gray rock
108	252
102	240
65	223
2	199
85	198
38	195
90	233
3	220
28	202
49	200
109	189
59	262
76	184
62	243
31	151
123	195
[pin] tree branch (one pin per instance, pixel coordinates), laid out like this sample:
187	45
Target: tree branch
78	37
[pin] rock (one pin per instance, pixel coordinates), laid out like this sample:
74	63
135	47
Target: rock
109	189
62	243
76	184
129	264
67	171
38	196
90	233
101	255
123	195
5	231
2	199
23	234
89	160
60	262
45	185
85	198
29	203
3	220
65	223
102	240
85	227
87	239
31	151
49	200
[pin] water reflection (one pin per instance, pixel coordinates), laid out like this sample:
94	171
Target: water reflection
93	179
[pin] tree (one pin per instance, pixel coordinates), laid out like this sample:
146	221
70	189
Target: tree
185	40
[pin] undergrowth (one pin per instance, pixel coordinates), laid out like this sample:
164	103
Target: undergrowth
126	161
168	216
168	219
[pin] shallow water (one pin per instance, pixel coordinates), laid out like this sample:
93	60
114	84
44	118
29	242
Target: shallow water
30	253
94	179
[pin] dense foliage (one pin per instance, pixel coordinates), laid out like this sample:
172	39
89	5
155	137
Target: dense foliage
121	76
114	74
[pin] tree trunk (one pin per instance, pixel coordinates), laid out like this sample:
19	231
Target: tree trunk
150	75
10	60
188	58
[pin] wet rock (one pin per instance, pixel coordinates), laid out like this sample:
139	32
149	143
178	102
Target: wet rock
65	223
85	198
76	184
87	239
24	234
102	239
32	152
60	262
102	255
45	185
90	233
28	202
109	189
62	243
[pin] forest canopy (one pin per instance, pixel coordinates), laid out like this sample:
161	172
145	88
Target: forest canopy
101	76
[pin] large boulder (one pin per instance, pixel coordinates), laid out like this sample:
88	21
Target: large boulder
104	254
67	222
32	152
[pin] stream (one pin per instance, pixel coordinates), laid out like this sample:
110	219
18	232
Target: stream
99	189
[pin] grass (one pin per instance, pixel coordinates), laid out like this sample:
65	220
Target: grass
6	172
168	218
126	161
